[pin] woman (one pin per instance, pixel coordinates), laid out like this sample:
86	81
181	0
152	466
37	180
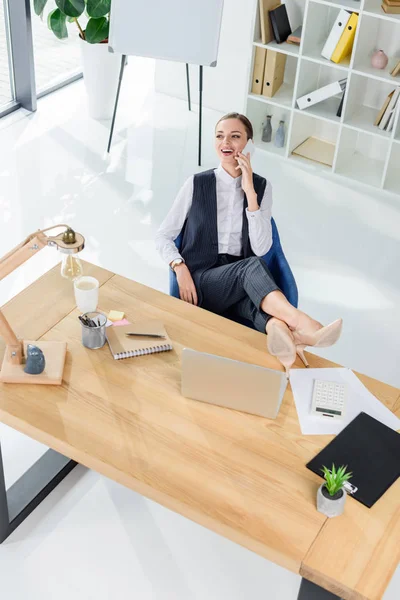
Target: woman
225	219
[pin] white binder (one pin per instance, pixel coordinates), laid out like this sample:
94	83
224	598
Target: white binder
323	93
388	117
335	34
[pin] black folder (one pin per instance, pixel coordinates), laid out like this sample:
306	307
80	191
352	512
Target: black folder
371	451
280	23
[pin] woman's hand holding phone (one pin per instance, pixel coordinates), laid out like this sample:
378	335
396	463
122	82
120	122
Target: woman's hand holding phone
187	289
244	164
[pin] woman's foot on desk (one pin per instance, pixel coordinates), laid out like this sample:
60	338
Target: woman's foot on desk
319	338
280	343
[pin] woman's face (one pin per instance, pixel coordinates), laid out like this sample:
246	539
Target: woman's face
230	138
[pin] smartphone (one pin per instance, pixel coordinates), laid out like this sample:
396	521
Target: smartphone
249	147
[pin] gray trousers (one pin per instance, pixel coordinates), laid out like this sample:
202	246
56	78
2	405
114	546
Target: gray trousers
237	286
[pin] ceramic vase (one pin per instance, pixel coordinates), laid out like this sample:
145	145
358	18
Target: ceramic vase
379	59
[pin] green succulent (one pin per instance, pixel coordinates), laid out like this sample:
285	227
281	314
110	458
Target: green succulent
335	478
68	11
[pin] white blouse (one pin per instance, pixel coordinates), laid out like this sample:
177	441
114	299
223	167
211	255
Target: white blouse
230	198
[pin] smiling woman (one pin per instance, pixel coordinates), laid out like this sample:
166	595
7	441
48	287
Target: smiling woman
224	218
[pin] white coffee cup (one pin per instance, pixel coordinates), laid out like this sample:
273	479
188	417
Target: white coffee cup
86	293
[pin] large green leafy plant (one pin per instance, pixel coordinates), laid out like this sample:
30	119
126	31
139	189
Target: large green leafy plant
68	11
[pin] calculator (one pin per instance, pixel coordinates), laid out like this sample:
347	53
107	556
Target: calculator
329	399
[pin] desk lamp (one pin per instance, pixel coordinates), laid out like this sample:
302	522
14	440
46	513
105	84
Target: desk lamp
69	243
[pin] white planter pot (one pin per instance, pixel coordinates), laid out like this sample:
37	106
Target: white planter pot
329	507
100	73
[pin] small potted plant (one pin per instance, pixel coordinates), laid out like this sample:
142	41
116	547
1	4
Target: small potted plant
331	495
91	21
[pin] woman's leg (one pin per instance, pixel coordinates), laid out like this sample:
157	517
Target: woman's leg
226	285
276	305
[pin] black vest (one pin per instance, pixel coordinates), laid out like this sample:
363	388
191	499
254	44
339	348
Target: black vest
200	232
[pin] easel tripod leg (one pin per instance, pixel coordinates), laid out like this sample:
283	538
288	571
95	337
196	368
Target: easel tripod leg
121	74
188	87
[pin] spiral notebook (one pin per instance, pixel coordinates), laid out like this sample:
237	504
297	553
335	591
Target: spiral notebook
122	346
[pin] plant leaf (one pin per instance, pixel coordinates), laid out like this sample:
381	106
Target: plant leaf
97	30
38	6
98	8
56	21
71	8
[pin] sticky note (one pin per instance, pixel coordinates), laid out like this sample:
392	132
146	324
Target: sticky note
116	315
119	323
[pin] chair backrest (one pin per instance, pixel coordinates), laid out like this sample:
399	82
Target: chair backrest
276	262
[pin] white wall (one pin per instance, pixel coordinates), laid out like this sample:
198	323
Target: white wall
225	86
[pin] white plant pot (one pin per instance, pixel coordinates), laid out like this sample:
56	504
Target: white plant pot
100	73
329	507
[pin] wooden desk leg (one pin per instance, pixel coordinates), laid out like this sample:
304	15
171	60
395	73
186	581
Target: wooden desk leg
28	492
311	591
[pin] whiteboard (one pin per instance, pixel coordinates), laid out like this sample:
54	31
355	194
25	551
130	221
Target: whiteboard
181	30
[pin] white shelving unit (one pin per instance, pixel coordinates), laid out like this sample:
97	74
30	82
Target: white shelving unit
363	152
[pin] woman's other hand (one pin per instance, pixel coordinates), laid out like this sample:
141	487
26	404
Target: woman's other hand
247	172
187	289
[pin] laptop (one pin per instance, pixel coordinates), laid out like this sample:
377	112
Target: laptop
232	384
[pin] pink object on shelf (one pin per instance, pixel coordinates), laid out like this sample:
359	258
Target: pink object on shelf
379	59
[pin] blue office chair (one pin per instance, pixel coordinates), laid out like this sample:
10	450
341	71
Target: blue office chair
276	263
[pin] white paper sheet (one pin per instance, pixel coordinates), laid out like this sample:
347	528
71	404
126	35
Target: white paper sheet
359	399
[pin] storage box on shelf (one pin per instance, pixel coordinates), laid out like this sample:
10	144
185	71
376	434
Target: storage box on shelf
257	113
305	127
392	179
366	97
320	19
376	33
362	156
314	76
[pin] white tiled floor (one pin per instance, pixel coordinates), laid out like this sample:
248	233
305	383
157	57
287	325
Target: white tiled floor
92	538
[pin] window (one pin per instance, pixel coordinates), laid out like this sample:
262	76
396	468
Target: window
6	88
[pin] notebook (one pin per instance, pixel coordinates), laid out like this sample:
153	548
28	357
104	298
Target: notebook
122	346
371	451
280	23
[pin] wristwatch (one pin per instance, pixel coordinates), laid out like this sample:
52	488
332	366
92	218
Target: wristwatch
176	262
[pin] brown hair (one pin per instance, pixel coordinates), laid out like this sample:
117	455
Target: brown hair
243	119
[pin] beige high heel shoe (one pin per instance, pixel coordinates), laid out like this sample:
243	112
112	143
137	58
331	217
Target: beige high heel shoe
322	338
280	343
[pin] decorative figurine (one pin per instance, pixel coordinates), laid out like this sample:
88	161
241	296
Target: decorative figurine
35	361
280	135
267	130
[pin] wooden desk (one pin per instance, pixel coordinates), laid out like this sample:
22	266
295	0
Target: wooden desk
239	475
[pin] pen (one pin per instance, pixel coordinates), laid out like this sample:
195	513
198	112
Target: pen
152	335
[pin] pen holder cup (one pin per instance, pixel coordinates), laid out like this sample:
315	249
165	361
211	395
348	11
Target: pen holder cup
94	337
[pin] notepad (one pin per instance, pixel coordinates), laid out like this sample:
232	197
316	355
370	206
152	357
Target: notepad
371	452
122	346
